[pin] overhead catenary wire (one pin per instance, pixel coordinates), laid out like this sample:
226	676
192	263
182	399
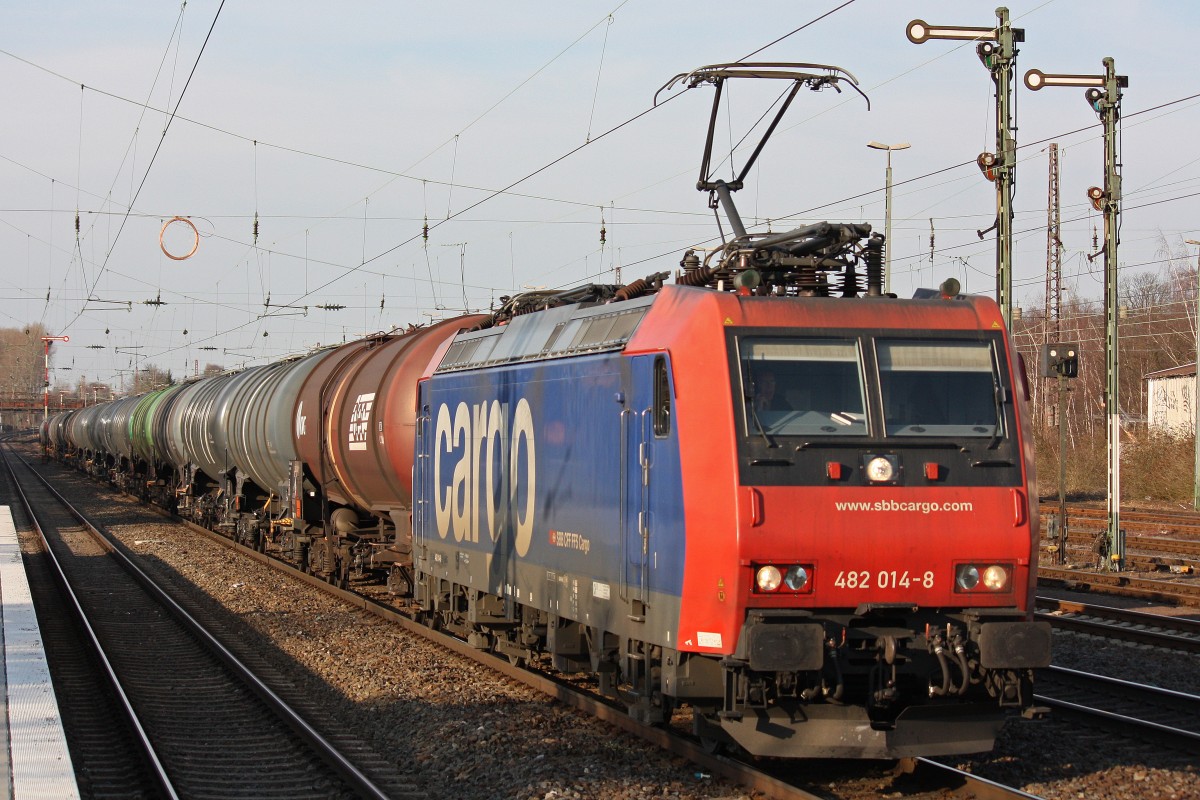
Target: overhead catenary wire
519	181
149	166
512	260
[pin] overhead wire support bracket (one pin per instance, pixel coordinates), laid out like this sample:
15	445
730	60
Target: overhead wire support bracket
128	304
295	310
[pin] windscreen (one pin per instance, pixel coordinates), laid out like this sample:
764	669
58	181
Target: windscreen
938	388
803	387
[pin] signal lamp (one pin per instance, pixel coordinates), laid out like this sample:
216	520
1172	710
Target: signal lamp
1096	195
986	52
987	165
1059	358
1093	97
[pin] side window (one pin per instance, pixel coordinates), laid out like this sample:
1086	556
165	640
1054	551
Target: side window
662	398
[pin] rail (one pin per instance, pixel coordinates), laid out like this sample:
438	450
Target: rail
359	782
158	771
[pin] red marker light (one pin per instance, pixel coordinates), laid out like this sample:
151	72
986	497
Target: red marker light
932	470
833	470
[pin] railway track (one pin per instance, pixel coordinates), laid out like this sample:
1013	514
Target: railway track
1125	584
786	784
1159	630
1171	717
209	725
1186	523
1155	540
111	756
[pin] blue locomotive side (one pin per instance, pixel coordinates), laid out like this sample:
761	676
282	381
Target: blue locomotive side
553	484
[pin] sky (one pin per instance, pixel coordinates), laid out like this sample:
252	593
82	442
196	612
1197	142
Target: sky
518	132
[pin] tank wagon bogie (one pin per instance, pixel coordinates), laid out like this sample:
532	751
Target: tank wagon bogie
810	519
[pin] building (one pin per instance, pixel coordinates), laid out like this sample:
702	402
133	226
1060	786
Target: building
1171	400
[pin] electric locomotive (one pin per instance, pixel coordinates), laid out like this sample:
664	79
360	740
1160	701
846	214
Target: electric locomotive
808	517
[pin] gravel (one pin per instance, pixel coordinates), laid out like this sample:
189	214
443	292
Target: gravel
453	726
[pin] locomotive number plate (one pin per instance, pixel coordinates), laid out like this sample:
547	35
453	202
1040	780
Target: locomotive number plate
883	579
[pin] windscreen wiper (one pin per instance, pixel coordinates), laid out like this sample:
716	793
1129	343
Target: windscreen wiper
758	424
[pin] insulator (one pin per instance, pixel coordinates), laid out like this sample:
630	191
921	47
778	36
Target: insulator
850	287
425	231
696	277
690	260
603	233
874	258
808	282
256	227
640	287
630	291
76	223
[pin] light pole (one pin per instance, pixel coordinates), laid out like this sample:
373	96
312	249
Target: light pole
1196	389
887	211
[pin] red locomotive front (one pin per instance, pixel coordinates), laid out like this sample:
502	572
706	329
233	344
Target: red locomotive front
874	598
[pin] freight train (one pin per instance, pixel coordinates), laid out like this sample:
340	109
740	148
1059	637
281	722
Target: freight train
764	490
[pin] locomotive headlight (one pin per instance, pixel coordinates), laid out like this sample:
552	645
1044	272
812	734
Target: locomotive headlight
768	578
995	578
968	577
796	578
973	578
880	469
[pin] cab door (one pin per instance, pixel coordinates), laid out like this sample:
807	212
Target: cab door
646	420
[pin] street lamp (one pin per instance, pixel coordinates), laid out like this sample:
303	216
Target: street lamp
1196	388
887	211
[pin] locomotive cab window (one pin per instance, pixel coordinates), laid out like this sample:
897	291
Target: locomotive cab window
662	398
939	388
803	387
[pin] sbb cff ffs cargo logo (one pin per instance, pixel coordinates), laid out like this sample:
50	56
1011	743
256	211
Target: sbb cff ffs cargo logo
359	417
485	459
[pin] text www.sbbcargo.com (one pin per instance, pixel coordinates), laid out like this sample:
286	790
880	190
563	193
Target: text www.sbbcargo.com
903	505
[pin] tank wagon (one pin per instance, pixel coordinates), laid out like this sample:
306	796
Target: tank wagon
765	490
